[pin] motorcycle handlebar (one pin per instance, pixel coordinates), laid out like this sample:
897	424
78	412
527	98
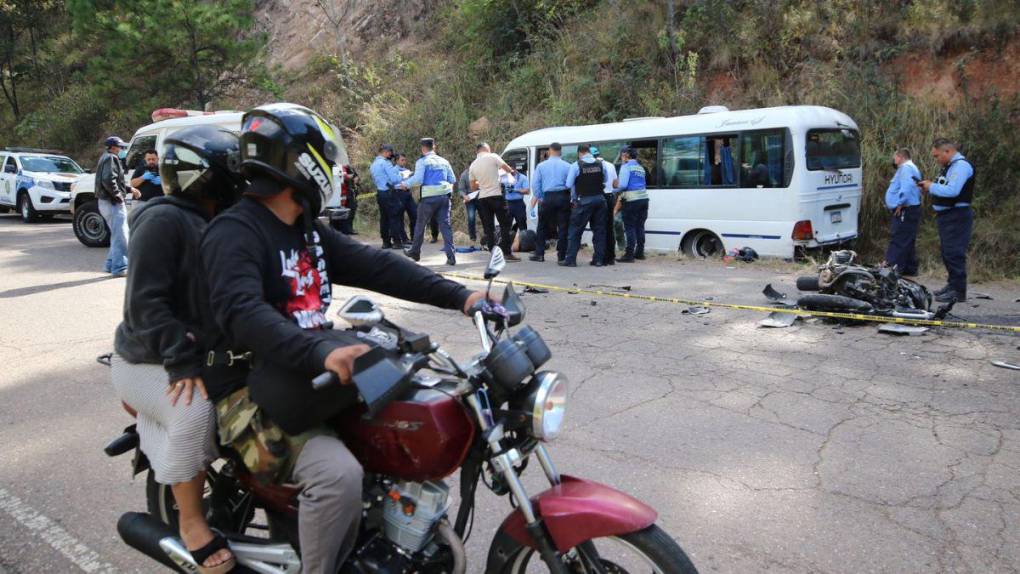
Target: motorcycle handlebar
327	379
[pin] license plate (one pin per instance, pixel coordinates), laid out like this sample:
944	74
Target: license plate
836	217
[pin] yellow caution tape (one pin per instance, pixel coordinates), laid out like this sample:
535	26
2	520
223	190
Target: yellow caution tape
364	195
786	310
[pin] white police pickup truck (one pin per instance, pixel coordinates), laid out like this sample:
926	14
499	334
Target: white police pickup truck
89	227
36	183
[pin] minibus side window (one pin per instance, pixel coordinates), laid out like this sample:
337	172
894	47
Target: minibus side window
682	162
517	159
763	159
648	157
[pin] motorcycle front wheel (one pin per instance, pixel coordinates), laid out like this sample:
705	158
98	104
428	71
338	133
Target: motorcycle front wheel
648	551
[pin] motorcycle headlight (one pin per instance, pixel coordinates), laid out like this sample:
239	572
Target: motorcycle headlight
548	404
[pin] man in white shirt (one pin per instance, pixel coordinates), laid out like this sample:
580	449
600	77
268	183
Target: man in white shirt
492	207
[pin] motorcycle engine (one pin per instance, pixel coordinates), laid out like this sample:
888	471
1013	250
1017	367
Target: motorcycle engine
411	511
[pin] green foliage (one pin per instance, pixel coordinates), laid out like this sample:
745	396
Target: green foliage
186	51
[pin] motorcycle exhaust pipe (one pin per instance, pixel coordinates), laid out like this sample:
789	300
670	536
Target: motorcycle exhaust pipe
146	534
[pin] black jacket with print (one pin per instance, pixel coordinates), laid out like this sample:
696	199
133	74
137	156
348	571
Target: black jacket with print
270	298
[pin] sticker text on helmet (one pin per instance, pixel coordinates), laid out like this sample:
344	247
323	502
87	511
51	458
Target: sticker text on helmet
310	169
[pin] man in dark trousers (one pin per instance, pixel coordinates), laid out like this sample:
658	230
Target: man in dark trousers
492	208
951	196
386	178
587	181
903	200
271	266
549	189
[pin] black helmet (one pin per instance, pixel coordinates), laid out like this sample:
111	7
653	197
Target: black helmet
202	162
294	146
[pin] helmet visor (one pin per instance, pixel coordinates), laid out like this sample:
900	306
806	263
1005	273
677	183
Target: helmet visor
182	171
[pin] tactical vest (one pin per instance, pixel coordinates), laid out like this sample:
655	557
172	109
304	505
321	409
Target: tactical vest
589	180
966	192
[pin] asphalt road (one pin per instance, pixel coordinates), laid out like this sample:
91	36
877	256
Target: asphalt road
810	449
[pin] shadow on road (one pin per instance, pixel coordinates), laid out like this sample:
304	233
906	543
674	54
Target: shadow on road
21	292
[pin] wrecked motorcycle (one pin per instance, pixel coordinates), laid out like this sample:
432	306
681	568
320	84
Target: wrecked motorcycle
422	416
844	285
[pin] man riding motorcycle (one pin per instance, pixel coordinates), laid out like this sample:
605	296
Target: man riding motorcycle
270	265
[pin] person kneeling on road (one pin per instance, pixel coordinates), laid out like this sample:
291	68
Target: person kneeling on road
271	265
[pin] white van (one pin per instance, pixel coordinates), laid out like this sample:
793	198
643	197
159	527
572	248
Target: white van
774	179
89	226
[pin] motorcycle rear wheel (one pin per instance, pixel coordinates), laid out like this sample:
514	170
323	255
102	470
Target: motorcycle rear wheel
233	516
650	549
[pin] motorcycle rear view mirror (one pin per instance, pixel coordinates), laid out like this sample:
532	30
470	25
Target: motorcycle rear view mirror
513	305
360	311
496	263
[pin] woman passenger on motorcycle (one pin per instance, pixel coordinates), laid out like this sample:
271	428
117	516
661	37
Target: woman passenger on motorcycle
162	346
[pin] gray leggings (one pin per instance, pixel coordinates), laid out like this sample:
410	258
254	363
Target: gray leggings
329	507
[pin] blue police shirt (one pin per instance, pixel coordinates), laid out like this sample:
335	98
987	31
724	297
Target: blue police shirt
957	175
903	189
575	171
550	175
521	183
384	173
632	176
431	169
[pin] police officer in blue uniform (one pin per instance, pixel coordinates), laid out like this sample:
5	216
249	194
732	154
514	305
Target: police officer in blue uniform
634	204
903	200
436	178
587	182
549	190
951	197
386	178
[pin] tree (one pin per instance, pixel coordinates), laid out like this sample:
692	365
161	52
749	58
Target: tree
189	51
18	19
336	11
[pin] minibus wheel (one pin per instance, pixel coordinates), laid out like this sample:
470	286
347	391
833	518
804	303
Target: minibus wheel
702	243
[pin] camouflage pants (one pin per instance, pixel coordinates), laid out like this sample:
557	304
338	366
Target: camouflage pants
267	451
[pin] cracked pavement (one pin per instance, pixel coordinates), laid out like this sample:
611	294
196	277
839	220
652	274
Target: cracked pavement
811	449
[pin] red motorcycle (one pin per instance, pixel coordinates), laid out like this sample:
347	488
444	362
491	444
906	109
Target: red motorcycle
423	416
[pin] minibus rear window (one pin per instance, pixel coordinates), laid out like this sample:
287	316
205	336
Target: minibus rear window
833	149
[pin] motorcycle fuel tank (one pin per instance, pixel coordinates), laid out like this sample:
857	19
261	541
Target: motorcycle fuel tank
422	436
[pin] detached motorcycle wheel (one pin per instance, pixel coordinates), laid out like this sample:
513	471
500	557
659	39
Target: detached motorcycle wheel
648	550
834	303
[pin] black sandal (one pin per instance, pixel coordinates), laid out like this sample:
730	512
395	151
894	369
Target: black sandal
215	545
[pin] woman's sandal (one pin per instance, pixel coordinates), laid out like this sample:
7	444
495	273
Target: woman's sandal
215	545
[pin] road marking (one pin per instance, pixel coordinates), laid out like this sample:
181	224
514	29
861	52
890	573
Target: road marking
80	555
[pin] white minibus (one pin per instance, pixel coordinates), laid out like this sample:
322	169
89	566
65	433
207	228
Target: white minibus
773	179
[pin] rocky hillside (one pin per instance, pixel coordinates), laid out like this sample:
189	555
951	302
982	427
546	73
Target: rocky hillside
298	30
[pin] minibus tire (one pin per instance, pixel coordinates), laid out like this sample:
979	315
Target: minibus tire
808	283
699	243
